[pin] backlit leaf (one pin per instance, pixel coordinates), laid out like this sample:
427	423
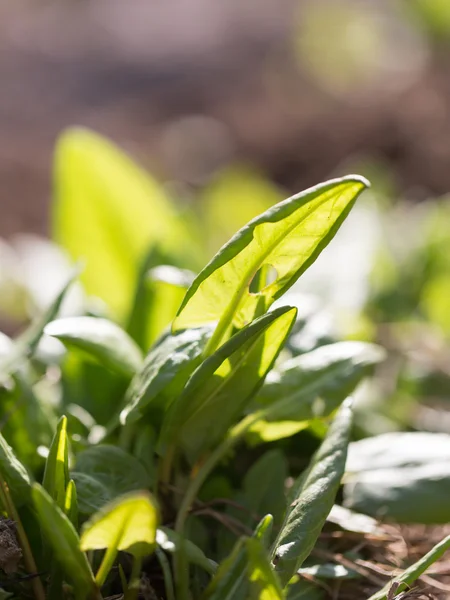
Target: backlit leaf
288	238
129	524
56	474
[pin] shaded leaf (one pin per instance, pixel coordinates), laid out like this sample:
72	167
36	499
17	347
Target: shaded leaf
102	339
129	524
313	496
288	237
166	369
224	383
15	474
403	476
106	472
61	535
169	541
227	583
314	384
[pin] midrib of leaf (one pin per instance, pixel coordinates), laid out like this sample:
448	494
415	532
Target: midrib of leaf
227	317
229	378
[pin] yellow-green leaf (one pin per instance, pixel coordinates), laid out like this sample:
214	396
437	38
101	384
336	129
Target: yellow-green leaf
287	239
108	211
56	474
129	524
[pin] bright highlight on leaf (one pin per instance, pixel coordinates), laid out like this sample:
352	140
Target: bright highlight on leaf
288	237
129	524
102	339
56	475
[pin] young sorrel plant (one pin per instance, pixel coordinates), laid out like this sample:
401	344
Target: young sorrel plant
161	419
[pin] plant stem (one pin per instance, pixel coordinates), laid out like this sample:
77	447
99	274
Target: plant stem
106	565
233	437
30	564
135	579
165	567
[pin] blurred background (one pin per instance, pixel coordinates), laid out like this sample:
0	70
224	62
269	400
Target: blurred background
301	89
233	106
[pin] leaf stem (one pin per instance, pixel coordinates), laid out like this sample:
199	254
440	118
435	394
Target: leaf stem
106	565
180	559
165	567
135	579
30	564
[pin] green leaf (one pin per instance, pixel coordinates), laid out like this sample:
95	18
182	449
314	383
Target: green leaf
329	571
102	339
62	537
304	590
26	344
230	577
263	530
71	503
104	472
14	474
224	383
313	498
158	299
288	237
264	583
314	384
56	474
169	541
109	212
129	524
414	571
166	369
264	484
404	476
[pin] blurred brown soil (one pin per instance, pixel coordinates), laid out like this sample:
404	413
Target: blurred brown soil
139	73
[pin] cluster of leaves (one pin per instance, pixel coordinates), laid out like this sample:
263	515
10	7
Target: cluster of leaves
145	414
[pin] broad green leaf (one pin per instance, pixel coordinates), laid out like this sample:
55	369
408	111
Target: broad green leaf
313	498
62	537
229	582
26	344
108	211
56	474
92	495
106	472
314	384
129	524
264	485
407	578
218	391
71	503
169	541
102	339
403	476
14	474
288	238
264	583
166	369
